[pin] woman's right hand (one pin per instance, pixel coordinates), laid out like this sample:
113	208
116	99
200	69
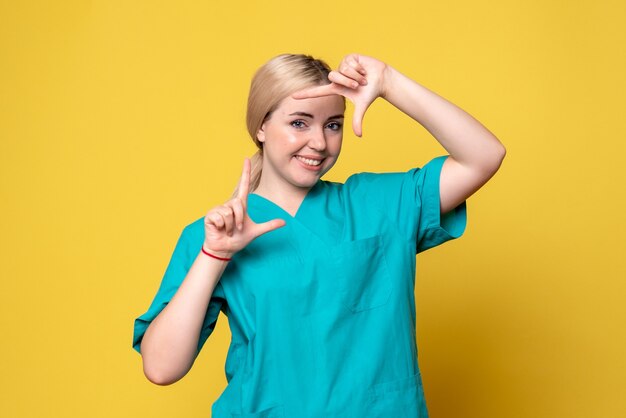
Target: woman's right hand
228	228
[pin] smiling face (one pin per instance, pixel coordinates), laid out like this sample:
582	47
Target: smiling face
301	141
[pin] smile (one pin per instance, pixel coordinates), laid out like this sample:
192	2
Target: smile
309	161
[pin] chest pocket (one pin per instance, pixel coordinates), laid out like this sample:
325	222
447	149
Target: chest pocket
362	274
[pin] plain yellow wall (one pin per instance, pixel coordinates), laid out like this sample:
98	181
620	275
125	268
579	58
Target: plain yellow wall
123	121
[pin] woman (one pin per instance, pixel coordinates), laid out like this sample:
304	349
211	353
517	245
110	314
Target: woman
317	278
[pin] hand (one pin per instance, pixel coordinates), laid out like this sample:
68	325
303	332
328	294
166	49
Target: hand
360	79
228	228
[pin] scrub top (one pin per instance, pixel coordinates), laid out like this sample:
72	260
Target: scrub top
322	310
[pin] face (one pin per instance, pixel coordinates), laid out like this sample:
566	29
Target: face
301	141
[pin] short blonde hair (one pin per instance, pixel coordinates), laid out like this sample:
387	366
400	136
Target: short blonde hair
277	79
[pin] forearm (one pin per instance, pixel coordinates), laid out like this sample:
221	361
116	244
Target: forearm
169	346
463	137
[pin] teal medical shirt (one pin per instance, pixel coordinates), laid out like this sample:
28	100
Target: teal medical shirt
322	310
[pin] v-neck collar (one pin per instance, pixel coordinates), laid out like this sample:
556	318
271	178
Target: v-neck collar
310	195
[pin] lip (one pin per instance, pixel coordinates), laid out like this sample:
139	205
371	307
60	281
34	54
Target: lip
310	167
310	157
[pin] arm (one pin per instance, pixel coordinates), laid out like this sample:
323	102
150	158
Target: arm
170	344
475	153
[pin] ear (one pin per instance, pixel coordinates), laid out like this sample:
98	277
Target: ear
260	135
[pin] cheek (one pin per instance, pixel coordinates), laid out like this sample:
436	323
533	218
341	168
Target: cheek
282	138
293	138
335	145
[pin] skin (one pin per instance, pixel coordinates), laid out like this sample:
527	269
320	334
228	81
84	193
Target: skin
310	128
475	153
169	346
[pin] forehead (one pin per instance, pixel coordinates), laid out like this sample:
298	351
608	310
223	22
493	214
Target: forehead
319	107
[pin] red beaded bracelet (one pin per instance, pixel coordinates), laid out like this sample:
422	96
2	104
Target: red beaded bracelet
214	256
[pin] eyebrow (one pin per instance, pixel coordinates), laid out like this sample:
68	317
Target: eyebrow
308	115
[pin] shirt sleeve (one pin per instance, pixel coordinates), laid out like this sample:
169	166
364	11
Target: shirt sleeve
185	253
432	228
411	201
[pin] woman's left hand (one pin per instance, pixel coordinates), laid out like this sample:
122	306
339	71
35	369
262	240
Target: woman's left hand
360	79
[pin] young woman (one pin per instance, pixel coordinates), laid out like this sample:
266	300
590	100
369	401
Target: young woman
316	277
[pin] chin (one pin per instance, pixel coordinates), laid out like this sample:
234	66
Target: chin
305	182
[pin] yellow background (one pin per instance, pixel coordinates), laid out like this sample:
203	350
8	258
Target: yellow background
123	121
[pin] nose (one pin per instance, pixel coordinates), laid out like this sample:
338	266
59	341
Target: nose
317	139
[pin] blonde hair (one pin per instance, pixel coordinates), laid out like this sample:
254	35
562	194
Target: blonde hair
277	79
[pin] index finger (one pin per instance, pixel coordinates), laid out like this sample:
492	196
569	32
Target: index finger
317	91
244	181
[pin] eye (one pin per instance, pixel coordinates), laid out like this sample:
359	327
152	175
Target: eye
335	126
298	124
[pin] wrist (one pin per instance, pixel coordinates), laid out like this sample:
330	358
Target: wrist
219	255
388	75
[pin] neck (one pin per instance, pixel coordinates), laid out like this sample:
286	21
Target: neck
287	197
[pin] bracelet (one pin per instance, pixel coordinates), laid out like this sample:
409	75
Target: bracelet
214	256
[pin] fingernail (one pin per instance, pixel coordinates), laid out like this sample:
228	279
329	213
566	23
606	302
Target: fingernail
364	82
240	226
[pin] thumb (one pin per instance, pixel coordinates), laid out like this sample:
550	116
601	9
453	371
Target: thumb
357	119
268	226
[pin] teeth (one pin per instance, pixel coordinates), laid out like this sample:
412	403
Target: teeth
308	161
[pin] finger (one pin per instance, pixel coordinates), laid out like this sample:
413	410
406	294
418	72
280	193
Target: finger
216	219
229	221
353	61
239	212
357	119
343	80
244	181
350	70
318	91
268	226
